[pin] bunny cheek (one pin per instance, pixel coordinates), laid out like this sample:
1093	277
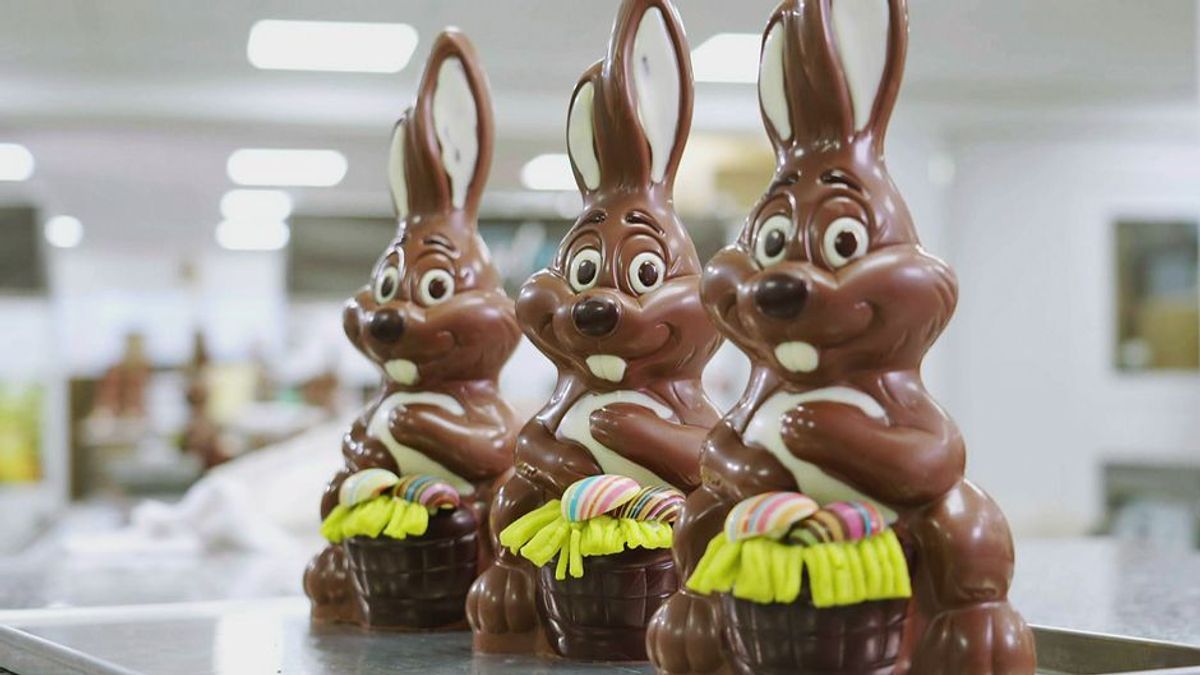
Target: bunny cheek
725	273
478	333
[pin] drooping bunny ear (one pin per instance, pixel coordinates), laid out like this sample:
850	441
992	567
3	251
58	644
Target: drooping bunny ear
452	135
397	173
647	82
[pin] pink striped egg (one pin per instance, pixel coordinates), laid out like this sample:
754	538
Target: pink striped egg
596	495
427	491
660	503
366	484
770	514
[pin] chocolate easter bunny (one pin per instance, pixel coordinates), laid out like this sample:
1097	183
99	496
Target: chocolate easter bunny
619	314
831	295
436	321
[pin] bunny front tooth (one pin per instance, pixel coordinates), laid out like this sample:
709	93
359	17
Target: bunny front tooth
402	371
798	357
607	367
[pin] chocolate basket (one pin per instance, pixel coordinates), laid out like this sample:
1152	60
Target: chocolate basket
603	615
417	582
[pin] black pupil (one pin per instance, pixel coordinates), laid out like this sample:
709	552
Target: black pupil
846	244
586	272
774	244
437	288
387	286
648	274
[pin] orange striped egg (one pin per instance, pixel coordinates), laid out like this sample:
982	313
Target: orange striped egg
660	503
770	514
427	491
364	485
597	495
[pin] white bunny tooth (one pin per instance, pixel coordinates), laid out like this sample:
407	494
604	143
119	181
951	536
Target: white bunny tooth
402	371
798	357
607	367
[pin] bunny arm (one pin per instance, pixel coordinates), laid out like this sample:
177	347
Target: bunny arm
360	451
477	447
910	460
736	471
667	448
549	462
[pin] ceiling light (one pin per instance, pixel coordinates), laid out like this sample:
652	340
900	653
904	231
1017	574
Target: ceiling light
16	162
548	172
331	46
728	57
271	205
304	168
63	231
253	235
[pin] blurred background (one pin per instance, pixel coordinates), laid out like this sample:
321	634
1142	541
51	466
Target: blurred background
170	286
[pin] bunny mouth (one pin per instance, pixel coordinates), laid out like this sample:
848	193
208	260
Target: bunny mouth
402	371
798	357
607	367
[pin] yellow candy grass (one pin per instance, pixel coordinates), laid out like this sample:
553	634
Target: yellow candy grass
382	516
544	534
766	571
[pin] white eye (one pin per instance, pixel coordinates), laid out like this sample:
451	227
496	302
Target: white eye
584	269
845	240
647	272
437	286
387	284
771	245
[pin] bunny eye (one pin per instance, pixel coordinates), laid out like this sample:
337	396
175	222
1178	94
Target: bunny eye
386	284
436	287
647	272
845	240
584	269
771	245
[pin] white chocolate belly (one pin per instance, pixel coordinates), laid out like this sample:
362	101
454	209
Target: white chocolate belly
411	460
763	431
576	426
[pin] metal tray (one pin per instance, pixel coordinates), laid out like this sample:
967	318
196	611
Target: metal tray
1065	652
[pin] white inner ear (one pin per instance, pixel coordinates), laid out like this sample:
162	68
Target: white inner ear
772	91
581	136
860	28
657	84
457	123
396	175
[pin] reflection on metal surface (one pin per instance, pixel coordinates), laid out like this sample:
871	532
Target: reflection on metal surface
1064	652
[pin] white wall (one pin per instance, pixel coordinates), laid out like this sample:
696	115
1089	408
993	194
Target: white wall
1031	384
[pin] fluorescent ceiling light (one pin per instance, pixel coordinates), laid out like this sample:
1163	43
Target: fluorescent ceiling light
16	162
63	231
270	205
331	46
304	168
549	172
253	235
728	57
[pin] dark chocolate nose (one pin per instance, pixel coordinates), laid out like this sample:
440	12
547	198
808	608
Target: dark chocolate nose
387	325
596	317
781	296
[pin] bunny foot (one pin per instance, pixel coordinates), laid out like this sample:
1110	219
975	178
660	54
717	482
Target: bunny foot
684	637
327	582
502	611
985	639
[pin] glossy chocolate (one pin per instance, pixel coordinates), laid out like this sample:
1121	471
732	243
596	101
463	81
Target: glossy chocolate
434	318
831	295
619	314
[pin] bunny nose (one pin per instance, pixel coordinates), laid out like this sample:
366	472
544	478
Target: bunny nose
781	296
596	317
387	325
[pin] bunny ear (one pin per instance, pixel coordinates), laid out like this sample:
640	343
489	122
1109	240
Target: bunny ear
869	36
649	68
581	134
453	125
397	174
772	89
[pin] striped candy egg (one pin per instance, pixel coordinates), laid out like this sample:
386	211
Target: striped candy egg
660	503
770	514
427	491
840	521
364	485
597	495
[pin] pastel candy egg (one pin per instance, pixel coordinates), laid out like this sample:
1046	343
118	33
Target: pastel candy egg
427	491
597	495
364	485
840	521
770	514
660	503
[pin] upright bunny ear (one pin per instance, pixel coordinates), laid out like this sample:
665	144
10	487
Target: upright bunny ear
452	128
649	72
871	38
581	133
772	88
397	174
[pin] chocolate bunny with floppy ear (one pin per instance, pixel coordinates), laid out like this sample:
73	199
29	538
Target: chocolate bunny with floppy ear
434	319
619	314
831	295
